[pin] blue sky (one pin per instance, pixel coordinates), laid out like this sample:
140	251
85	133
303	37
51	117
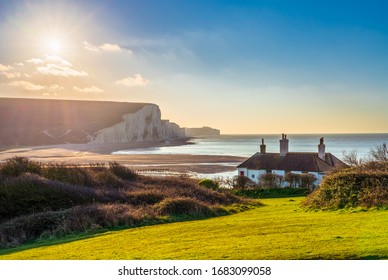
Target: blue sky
241	66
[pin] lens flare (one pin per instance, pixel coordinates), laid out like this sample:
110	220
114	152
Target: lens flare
54	46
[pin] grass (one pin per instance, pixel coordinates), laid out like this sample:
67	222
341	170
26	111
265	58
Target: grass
271	192
279	230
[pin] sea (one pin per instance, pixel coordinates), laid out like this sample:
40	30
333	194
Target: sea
247	145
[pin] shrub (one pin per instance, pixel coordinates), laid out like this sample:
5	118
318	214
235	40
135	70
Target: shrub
182	206
43	200
105	177
208	183
69	173
307	181
25	228
30	193
293	180
84	218
77	219
122	171
19	165
379	153
270	180
243	182
351	189
146	197
371	166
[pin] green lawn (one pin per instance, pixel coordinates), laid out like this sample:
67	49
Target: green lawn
278	230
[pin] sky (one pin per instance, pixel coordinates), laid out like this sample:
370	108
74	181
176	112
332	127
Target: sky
244	67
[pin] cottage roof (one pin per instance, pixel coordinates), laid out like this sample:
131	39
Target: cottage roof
308	162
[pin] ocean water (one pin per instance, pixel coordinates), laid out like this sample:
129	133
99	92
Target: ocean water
247	145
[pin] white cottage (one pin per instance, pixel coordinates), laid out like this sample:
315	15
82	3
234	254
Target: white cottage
281	163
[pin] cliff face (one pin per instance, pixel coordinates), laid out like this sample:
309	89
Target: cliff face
143	125
30	122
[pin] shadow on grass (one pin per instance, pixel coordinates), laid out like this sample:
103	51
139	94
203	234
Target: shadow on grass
374	257
271	192
47	242
51	242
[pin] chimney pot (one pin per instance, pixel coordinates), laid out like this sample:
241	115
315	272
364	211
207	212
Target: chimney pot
283	145
321	149
262	147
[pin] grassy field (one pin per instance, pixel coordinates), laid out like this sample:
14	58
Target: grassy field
278	230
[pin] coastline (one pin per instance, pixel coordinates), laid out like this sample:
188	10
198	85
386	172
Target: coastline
102	153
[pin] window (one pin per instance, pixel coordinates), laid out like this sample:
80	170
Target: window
269	171
253	176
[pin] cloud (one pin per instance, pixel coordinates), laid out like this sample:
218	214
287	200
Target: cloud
60	70
90	47
106	47
36	61
9	72
26	85
34	87
136	81
89	89
57	59
4	68
48	58
55	87
110	47
11	75
55	66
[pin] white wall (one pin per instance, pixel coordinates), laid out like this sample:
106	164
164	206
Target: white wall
254	175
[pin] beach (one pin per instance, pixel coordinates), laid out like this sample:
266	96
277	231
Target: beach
102	153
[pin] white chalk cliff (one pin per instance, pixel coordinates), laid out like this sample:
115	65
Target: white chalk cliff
144	125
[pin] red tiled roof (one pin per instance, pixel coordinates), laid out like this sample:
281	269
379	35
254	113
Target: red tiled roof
308	162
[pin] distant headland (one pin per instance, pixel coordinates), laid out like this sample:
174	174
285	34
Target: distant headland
201	131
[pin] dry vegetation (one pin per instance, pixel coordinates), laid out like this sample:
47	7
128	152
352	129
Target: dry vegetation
51	200
364	185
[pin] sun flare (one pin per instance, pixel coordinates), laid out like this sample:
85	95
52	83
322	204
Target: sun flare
54	46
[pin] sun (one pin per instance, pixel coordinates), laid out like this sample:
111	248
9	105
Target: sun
54	45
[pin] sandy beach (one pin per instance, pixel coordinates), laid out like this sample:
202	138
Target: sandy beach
98	153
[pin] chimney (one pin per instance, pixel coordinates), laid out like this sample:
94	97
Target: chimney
321	149
262	147
283	145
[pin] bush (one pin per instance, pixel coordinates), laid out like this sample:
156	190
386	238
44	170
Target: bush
182	206
146	197
208	183
30	193
351	189
270	180
307	181
105	177
44	200
84	218
77	219
243	182
69	173
122	171
25	228
293	180
18	165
